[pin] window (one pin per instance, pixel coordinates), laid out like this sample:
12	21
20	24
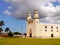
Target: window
46	30
30	29
57	30
51	30
30	35
45	26
57	27
37	21
51	27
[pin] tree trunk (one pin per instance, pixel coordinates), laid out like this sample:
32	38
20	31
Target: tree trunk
0	33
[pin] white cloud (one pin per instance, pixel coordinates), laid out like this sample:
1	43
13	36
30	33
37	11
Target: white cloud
53	0
7	12
9	7
59	1
48	19
47	10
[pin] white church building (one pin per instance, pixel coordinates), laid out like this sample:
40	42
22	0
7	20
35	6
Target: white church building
41	30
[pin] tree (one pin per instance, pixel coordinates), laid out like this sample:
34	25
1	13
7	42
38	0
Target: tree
25	34
10	34
17	33
1	31
1	23
7	30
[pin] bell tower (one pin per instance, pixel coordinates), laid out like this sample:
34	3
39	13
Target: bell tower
36	16
29	25
29	18
36	22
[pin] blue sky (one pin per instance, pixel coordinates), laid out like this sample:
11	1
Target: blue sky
10	21
16	24
56	3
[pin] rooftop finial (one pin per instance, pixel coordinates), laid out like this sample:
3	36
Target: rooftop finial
35	11
28	14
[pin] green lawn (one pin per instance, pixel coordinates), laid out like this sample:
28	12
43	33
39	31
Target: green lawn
28	41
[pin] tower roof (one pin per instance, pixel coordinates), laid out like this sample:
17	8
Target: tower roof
29	14
35	11
36	14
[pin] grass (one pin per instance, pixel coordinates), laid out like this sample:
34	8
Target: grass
28	41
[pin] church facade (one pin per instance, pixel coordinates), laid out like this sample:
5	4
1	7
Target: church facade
41	30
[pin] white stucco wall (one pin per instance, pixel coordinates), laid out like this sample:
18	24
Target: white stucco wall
48	33
38	30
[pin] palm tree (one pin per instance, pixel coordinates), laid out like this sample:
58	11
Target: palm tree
1	31
1	23
7	30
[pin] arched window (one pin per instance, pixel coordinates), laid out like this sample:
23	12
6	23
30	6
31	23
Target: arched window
51	27
37	21
51	30
30	29
57	27
45	26
45	30
57	30
30	34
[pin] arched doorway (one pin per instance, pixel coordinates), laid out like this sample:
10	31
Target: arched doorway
52	35
30	34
